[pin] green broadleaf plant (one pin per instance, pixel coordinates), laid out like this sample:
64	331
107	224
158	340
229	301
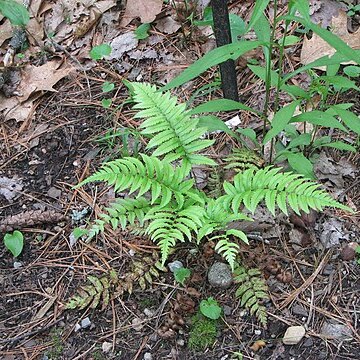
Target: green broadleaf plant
100	51
295	111
162	196
17	13
14	242
210	308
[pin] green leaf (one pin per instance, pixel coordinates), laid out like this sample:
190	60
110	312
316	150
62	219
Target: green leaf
352	71
79	232
250	133
320	118
280	120
261	73
212	58
300	140
14	242
213	123
107	86
289	40
295	91
351	120
340	81
301	164
142	32
237	26
99	51
17	13
106	103
260	6
210	308
337	58
220	105
181	275
340	145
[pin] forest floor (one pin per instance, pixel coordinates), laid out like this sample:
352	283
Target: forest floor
54	132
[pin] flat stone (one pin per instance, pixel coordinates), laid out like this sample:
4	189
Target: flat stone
293	335
336	331
220	275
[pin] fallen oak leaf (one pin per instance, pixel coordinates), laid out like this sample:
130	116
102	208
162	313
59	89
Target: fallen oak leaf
316	47
146	10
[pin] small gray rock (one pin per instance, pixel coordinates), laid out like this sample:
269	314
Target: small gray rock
148	356
17	265
293	335
175	265
106	347
85	323
220	275
336	331
227	310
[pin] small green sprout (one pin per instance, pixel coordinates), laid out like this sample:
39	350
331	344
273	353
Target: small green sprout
14	242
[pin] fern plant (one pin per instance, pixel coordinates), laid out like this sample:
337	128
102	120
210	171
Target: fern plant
163	198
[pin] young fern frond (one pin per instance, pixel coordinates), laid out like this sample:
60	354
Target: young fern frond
217	217
278	189
159	177
169	225
175	134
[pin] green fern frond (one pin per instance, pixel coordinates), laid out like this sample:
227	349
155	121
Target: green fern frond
126	211
252	291
278	189
169	225
154	175
174	133
227	249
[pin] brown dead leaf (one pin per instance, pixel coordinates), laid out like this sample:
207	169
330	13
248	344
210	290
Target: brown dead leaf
146	10
316	47
35	80
41	78
5	32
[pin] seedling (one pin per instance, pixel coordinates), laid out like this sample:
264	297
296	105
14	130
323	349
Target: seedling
98	52
181	275
142	32
210	308
14	242
107	86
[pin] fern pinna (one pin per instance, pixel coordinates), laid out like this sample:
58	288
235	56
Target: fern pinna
165	201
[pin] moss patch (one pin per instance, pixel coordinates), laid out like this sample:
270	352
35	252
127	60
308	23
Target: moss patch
203	332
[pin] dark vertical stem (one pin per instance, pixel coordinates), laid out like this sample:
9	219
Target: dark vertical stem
223	37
